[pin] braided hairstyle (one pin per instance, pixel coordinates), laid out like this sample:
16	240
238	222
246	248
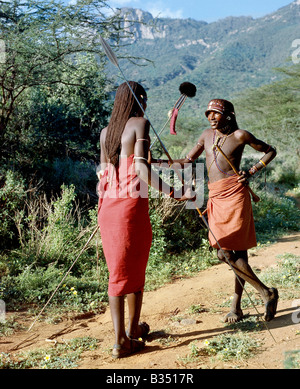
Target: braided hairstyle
125	107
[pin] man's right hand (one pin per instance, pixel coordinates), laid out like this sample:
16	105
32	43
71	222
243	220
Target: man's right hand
188	194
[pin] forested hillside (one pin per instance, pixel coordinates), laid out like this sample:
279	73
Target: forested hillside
222	58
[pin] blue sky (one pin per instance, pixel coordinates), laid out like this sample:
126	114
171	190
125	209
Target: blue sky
207	10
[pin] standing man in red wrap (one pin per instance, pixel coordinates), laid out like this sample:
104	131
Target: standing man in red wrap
229	206
123	213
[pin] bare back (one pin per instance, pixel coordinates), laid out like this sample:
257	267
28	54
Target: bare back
135	129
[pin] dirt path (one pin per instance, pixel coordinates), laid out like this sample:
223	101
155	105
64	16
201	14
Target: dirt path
174	328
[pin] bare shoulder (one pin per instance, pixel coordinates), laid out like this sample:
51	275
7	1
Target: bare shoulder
243	136
103	134
136	121
205	135
206	132
140	125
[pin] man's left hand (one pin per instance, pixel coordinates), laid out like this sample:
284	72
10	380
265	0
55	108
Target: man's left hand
243	179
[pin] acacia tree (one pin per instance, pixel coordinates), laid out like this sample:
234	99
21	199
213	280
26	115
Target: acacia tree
54	132
43	42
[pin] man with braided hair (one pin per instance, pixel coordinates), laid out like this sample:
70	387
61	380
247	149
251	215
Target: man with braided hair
229	206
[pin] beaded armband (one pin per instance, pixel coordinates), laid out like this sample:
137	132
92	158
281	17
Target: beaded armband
253	170
262	164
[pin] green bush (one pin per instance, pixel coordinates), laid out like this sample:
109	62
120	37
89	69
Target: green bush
286	274
275	215
292	359
232	346
12	195
52	234
35	286
286	171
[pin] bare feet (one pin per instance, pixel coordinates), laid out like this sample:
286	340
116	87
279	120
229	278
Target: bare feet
234	316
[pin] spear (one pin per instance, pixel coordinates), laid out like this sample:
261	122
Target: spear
232	268
65	276
112	57
255	198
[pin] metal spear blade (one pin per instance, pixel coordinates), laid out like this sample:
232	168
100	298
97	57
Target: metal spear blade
112	57
108	51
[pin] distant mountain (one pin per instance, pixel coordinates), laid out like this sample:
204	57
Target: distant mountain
221	58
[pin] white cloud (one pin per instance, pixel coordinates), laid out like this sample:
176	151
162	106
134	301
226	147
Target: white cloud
166	13
158	9
123	3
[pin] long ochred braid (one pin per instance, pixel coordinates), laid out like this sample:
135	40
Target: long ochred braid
125	106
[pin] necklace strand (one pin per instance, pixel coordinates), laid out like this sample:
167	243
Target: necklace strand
216	154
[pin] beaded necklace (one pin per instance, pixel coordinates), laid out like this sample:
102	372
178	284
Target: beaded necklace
216	153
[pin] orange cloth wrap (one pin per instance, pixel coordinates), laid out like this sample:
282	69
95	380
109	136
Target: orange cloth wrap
230	215
123	218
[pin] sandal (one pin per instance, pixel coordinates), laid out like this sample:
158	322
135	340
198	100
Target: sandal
120	352
234	316
145	329
271	306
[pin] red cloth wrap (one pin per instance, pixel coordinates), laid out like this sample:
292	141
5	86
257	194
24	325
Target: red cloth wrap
123	218
173	121
230	215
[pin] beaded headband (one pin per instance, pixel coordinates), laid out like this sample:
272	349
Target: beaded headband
221	106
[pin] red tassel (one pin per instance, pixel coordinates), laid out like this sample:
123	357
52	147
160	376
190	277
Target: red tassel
173	122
